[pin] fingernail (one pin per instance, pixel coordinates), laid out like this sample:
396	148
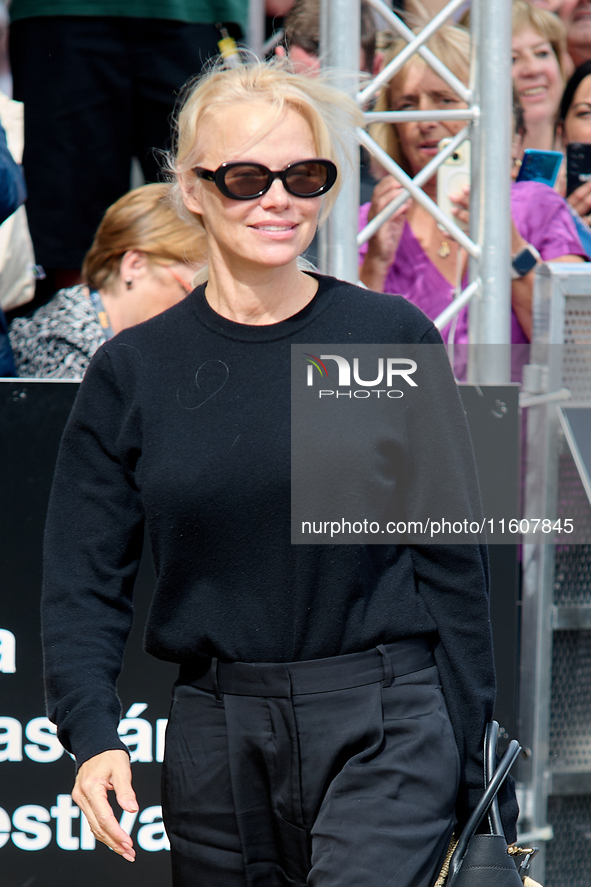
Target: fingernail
129	857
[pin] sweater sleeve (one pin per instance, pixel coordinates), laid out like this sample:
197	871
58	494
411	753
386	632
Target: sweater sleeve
453	580
92	549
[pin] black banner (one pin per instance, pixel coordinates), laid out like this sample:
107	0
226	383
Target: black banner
43	840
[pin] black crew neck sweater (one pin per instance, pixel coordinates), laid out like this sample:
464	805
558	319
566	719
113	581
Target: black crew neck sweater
184	422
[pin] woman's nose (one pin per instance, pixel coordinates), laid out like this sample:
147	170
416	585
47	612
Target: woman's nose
276	195
427	125
528	66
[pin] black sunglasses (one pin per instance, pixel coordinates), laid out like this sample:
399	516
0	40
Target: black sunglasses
245	181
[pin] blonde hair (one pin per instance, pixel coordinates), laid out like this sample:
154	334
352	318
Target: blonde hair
144	220
545	23
451	45
327	110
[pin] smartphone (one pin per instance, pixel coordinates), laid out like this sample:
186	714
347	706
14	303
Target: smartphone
539	166
452	176
578	165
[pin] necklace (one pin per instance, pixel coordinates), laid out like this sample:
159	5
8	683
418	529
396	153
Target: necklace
444	250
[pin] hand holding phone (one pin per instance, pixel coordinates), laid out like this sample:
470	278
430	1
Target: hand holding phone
540	166
452	177
461	208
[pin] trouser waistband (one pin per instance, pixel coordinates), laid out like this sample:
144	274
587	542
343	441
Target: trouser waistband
284	679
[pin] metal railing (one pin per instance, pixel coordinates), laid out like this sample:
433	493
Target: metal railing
555	702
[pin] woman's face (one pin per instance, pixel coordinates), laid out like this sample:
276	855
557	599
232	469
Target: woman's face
420	89
268	231
577	124
577	16
536	76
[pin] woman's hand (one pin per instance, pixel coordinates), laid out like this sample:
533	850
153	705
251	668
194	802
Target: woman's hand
461	210
109	771
521	289
382	247
580	200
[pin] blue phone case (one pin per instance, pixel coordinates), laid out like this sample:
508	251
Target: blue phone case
539	166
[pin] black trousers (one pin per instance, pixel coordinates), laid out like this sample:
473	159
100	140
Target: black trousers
340	772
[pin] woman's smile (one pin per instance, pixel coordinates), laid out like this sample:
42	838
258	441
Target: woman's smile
285	228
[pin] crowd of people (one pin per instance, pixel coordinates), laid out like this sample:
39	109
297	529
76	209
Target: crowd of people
410	254
135	73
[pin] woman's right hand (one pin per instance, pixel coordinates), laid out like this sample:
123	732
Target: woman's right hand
580	200
382	247
109	771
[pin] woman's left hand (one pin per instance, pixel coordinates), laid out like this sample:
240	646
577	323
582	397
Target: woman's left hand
521	289
461	210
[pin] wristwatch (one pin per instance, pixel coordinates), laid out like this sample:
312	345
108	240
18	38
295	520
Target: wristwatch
524	261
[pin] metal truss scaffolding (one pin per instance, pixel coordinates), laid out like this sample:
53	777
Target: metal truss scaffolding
488	126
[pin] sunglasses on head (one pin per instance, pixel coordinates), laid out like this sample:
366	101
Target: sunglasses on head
245	181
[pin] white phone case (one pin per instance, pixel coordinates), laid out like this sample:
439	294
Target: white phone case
452	176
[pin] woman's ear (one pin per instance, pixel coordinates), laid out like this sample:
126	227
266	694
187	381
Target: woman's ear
134	265
190	189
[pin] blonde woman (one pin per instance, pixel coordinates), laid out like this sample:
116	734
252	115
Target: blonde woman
309	741
540	68
142	261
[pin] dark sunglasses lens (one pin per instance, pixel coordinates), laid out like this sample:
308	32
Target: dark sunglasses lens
246	180
307	178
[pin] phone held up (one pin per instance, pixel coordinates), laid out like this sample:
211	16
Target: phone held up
453	175
539	166
578	165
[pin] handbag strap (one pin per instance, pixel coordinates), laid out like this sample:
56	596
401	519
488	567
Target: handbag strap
487	799
490	761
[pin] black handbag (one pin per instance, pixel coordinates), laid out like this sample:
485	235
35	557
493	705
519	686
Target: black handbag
483	860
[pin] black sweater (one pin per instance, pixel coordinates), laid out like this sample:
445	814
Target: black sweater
184	422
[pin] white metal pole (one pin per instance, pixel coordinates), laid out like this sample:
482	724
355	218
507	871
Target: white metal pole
339	49
490	319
